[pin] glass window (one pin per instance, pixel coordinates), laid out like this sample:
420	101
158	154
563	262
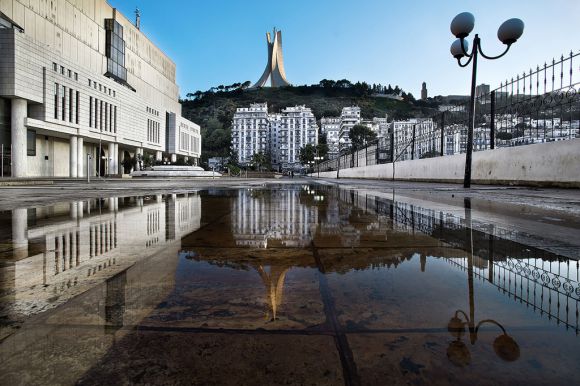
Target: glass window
31	142
54	67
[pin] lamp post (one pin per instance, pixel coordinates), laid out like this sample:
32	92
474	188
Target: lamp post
341	142
461	26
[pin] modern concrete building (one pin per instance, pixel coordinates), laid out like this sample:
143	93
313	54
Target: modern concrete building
80	83
349	117
278	135
330	126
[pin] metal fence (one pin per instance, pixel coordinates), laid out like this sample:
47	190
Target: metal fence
541	105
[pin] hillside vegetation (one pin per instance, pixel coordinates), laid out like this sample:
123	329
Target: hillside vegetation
214	109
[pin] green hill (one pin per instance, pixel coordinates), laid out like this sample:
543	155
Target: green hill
213	110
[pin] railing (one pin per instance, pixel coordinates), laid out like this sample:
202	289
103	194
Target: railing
541	105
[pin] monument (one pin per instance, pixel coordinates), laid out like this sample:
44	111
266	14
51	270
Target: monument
275	67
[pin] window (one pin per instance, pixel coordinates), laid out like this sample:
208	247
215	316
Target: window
69	73
31	143
77	107
63	116
106	116
56	90
90	111
54	67
70	105
76	76
62	70
90	81
115	117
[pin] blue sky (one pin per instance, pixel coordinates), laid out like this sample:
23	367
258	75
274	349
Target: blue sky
217	42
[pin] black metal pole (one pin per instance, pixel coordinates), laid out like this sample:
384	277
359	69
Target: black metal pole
413	143
393	145
492	122
469	150
442	133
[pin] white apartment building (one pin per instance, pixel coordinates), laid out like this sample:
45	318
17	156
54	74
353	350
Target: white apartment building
349	117
295	128
426	139
331	127
381	127
82	89
251	131
280	135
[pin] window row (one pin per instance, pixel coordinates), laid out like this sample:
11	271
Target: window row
152	111
65	71
153	129
66	104
102	115
102	88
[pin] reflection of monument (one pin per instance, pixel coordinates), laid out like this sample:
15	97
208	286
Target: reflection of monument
275	67
273	279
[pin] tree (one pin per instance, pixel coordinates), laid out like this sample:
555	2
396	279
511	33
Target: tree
360	135
307	154
246	84
259	159
322	147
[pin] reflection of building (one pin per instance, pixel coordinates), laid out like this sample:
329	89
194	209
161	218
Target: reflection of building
60	250
262	218
79	78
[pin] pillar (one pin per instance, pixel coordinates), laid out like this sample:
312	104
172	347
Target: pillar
19	111
74	159
81	158
158	156
173	158
116	157
20	233
111	159
138	155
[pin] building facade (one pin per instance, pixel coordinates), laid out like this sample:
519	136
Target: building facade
330	126
85	91
349	117
279	136
426	138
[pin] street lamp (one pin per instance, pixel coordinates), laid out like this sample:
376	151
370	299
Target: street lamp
461	26
341	142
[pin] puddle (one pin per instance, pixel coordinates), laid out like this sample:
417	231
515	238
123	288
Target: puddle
284	284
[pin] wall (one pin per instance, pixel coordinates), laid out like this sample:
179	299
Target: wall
545	164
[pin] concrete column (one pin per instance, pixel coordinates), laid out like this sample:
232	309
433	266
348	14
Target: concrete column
116	157
20	233
18	133
173	157
111	158
74	159
159	198
158	156
138	152
81	167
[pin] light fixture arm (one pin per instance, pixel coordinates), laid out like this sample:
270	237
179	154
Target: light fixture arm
475	41
494	57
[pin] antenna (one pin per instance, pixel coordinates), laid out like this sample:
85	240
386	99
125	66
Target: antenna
137	18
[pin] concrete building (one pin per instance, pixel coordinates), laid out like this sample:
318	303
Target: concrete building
426	138
330	126
80	83
349	117
251	131
382	127
278	135
293	129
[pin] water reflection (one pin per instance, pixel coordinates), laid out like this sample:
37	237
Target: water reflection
374	287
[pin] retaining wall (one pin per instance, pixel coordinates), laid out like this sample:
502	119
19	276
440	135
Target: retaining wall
544	164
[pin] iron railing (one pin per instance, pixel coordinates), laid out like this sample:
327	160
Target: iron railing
541	105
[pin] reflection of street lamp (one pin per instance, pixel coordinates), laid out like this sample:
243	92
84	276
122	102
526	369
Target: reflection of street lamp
341	143
461	26
318	159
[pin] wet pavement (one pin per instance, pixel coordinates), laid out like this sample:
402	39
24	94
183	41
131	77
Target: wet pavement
288	283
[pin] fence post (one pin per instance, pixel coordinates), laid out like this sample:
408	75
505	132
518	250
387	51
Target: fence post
393	145
413	143
492	122
443	133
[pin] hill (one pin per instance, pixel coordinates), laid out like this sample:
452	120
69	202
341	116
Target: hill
214	109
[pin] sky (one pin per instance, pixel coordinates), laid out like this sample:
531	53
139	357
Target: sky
401	43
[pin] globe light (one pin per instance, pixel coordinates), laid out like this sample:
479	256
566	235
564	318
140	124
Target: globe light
462	24
456	48
510	31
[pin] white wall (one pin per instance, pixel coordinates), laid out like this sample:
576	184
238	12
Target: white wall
544	164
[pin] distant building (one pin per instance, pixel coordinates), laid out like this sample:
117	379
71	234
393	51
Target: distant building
280	136
424	91
481	90
425	138
330	126
381	127
349	117
250	131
